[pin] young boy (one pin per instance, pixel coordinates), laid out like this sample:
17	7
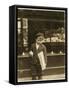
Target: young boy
39	57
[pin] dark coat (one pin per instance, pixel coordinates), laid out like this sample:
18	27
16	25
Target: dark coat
36	51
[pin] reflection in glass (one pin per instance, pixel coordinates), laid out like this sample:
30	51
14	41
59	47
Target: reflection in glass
25	23
19	24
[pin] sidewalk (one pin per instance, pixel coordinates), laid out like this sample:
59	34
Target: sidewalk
49	77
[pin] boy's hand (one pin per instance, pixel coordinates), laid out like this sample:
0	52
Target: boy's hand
31	53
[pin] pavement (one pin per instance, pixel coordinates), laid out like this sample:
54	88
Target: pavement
48	77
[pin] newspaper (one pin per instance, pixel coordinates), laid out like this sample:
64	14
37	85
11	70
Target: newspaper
42	60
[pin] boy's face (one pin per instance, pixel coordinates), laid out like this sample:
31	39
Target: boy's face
39	39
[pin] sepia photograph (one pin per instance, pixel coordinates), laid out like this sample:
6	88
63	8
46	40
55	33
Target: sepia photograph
41	44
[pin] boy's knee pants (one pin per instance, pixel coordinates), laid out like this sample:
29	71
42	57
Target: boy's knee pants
36	70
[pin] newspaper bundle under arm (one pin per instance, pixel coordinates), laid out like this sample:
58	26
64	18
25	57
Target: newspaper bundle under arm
42	60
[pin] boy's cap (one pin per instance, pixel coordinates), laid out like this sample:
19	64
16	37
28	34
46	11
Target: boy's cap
39	34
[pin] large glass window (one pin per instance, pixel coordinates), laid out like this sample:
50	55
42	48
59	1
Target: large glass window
22	29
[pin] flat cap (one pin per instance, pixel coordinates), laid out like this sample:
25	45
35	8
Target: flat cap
39	34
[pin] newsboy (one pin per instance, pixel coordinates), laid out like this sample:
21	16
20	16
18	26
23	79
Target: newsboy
39	57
